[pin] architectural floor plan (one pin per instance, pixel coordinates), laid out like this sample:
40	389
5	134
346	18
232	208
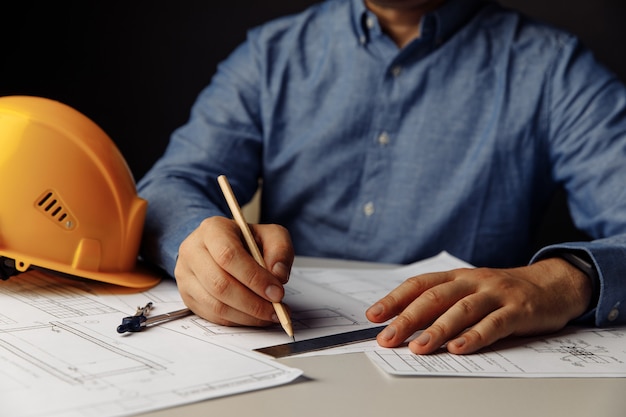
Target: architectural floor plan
59	344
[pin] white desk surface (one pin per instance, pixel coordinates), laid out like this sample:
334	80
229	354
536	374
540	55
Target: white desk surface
350	385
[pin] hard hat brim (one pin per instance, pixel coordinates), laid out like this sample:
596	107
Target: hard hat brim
142	277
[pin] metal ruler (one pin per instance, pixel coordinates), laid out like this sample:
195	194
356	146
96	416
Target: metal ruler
319	343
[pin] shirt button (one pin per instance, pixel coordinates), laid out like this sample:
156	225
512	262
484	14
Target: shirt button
613	314
396	70
369	22
368	209
383	139
362	40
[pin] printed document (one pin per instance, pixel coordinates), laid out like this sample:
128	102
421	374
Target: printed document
573	352
59	344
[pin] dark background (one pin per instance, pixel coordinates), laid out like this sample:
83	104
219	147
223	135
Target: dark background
135	67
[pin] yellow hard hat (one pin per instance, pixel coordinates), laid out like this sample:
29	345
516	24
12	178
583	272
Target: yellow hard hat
68	201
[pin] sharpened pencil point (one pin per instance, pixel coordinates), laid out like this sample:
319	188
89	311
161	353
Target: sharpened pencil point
293	338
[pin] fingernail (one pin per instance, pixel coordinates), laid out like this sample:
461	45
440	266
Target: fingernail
375	310
275	318
388	333
423	339
460	342
273	293
280	270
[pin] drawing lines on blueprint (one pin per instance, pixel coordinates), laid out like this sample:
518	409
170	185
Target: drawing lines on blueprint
46	295
319	318
32	346
73	368
578	352
304	319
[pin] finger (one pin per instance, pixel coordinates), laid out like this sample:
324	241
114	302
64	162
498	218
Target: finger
425	309
463	314
497	325
229	253
399	298
277	249
210	289
225	301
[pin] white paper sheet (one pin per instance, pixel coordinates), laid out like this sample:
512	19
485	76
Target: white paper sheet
573	352
323	301
59	345
60	355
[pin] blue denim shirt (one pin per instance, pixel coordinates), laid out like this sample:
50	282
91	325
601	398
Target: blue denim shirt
366	151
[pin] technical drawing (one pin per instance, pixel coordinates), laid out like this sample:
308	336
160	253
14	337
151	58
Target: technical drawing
578	352
59	301
306	319
319	318
72	367
103	361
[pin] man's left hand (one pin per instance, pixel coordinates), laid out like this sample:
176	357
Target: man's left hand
465	310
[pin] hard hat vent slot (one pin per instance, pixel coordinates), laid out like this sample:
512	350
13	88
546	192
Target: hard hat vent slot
51	205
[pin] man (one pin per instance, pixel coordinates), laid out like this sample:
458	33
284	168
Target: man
389	131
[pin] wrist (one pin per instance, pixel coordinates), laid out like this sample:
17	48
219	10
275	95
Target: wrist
583	262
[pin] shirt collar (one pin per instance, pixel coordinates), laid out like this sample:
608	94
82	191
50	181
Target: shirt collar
438	25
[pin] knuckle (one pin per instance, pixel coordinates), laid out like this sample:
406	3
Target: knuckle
224	256
220	285
482	273
258	310
390	302
208	308
253	278
414	283
475	338
467	307
406	321
432	296
218	311
498	322
440	330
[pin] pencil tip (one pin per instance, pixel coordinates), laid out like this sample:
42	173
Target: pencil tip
293	338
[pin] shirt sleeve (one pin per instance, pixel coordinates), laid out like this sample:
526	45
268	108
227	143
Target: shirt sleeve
587	129
222	136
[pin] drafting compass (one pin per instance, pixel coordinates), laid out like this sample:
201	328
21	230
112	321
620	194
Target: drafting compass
140	319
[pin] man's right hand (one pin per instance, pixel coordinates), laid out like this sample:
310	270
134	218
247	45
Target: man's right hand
220	281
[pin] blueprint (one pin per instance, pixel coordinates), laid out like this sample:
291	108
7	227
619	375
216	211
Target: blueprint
323	301
60	353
